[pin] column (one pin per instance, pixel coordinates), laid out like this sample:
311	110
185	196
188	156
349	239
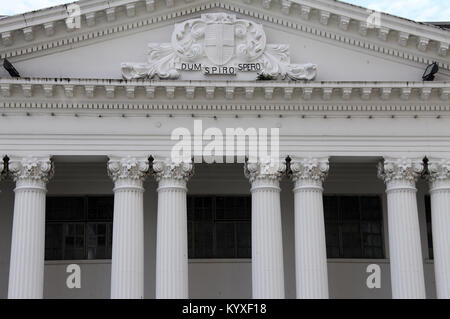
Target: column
26	272
127	269
310	249
439	179
171	237
267	245
407	277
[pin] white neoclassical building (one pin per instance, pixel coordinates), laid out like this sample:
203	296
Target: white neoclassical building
353	203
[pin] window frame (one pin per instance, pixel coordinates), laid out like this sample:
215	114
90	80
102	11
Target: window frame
216	220
340	222
85	221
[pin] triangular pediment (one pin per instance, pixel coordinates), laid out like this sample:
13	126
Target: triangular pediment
332	35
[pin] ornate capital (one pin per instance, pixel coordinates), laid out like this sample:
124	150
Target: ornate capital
439	175
31	169
401	170
128	168
439	170
169	170
313	170
265	169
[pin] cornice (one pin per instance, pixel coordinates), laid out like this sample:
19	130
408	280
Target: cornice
35	32
54	91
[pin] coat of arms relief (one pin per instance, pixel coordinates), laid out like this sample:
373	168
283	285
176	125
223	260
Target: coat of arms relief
218	44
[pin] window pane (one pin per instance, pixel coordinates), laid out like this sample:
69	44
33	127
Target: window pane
98	241
332	239
100	208
330	207
203	239
203	209
74	241
351	240
65	209
349	208
225	240
244	239
54	241
370	208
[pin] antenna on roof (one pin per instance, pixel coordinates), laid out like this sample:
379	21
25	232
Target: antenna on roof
10	68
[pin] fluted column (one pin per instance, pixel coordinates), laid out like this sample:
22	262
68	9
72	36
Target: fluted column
267	245
407	277
439	179
26	272
127	269
310	249
171	238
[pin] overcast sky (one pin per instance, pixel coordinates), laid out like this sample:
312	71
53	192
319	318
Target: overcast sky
419	10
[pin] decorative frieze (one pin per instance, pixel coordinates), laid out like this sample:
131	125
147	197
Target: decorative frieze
422	43
305	12
324	16
344	22
138	89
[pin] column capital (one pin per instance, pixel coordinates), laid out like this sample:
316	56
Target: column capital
265	169
128	168
166	169
309	171
31	170
439	174
400	172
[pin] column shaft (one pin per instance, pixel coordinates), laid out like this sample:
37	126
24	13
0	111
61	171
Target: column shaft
310	247
127	268
172	252
267	245
26	273
267	241
440	218
171	240
407	277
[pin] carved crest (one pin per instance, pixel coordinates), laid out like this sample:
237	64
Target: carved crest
218	40
219	43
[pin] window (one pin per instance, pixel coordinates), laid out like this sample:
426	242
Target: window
429	227
353	226
79	228
219	226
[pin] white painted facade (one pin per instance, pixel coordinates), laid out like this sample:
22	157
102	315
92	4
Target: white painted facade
367	103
